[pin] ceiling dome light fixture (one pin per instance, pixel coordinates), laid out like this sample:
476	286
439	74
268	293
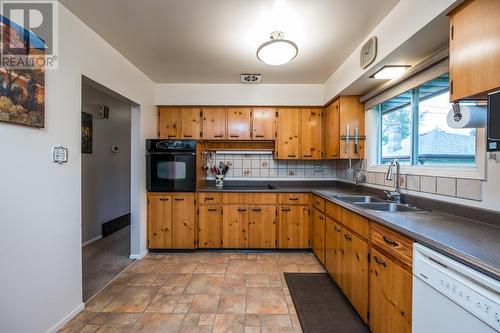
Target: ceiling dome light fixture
277	51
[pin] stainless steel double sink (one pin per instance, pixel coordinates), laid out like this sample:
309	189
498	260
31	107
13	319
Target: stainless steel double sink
378	204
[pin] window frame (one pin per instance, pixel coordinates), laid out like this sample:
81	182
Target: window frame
374	143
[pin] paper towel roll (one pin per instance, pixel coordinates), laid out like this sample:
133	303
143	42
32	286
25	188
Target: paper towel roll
471	116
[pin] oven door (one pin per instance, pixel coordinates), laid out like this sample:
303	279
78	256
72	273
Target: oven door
171	172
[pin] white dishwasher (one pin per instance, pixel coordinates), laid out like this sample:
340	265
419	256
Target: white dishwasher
451	297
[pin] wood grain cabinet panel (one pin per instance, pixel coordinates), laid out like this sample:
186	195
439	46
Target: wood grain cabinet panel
318	244
287	141
393	243
159	221
294	198
318	203
331	131
311	130
352	115
214	123
263	123
294	231
390	295
234	226
334	250
238	124
191	123
183	229
262	227
210	226
474	49
169	123
209	197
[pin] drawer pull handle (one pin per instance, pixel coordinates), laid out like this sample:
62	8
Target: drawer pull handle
285	209
321	217
256	210
164	199
259	136
293	199
292	155
171	136
241	210
307	155
212	209
235	136
390	241
380	261
188	136
218	136
317	203
346	236
179	199
337	229
208	199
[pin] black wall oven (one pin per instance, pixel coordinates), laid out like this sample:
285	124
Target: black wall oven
171	165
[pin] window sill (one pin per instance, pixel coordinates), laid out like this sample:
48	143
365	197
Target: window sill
438	171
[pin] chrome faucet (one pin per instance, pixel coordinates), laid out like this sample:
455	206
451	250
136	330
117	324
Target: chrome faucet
394	195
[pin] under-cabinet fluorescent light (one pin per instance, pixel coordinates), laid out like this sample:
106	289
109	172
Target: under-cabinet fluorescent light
390	72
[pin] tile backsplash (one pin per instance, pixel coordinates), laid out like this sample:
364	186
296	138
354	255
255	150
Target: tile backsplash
263	166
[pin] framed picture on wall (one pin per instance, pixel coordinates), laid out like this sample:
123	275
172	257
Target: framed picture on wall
86	133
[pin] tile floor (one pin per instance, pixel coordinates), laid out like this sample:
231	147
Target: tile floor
199	292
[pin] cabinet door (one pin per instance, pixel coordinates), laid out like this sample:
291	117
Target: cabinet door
352	114
183	221
287	143
169	123
238	124
262	227
474	49
331	132
214	124
311	130
263	124
319	235
294	227
209	226
159	222
390	295
234	226
355	267
191	123
334	250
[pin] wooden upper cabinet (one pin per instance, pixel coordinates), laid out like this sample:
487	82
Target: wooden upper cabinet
183	229
294	227
287	142
263	123
209	226
474	49
214	123
390	295
352	117
191	123
311	129
169	123
238	123
262	227
159	221
331	133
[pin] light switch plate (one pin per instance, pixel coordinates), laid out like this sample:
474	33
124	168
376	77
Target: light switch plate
59	154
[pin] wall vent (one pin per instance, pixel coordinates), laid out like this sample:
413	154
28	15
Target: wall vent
250	78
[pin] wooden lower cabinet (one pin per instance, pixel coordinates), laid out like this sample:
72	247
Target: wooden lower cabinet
171	221
234	226
210	226
262	227
294	228
390	295
334	250
318	244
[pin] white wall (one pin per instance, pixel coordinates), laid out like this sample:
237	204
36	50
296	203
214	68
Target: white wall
239	94
105	175
40	204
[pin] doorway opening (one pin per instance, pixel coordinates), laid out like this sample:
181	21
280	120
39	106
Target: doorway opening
106	186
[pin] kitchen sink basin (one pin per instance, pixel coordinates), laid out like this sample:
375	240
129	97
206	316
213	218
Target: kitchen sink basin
388	207
360	199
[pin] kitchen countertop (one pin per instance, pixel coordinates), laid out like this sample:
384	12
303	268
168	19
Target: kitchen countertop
473	243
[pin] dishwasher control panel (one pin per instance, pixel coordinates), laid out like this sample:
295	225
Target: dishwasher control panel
475	292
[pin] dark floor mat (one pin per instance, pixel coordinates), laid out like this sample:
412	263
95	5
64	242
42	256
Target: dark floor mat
321	306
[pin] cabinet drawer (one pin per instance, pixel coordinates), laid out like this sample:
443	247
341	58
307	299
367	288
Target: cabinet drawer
209	198
333	210
250	198
318	203
294	198
393	243
355	222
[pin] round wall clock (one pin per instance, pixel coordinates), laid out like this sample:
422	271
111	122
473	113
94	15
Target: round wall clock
368	52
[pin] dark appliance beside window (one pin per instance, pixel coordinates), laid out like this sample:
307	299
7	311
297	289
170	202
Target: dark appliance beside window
493	126
170	165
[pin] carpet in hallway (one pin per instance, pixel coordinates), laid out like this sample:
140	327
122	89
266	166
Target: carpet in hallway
321	306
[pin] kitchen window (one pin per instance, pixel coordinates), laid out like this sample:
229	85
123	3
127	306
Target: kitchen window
413	128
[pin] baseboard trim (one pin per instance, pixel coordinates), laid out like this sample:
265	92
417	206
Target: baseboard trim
90	241
66	318
115	224
139	256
